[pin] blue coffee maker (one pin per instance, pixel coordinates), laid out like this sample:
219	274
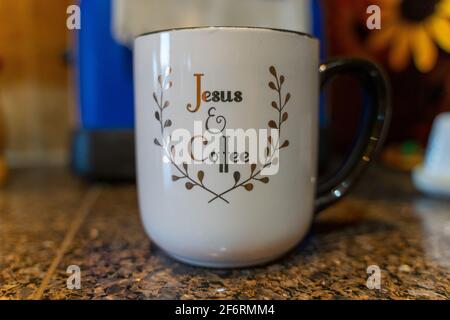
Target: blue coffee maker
103	142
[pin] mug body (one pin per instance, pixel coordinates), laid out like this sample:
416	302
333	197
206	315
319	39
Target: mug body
223	208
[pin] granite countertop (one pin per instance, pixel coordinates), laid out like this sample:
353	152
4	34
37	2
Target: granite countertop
50	220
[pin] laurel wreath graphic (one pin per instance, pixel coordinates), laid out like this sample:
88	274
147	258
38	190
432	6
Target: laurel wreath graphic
198	179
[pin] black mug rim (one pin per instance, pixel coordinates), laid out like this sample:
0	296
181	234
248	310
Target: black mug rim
299	33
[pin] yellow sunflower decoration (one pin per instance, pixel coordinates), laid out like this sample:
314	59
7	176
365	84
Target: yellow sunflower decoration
413	29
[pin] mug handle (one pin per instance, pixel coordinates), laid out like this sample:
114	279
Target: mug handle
375	120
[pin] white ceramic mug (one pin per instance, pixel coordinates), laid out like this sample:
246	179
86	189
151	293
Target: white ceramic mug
222	209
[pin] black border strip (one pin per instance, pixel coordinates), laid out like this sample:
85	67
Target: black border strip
162	309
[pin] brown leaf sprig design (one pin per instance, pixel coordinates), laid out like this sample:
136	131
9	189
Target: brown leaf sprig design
197	180
183	171
279	105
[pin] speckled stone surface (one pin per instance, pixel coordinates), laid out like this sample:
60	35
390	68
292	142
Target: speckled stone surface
45	221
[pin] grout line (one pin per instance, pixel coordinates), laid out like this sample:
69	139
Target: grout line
80	215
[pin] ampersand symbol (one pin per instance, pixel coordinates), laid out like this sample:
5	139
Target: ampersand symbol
219	120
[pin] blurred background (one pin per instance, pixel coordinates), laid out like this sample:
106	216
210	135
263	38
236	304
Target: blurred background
36	99
66	96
